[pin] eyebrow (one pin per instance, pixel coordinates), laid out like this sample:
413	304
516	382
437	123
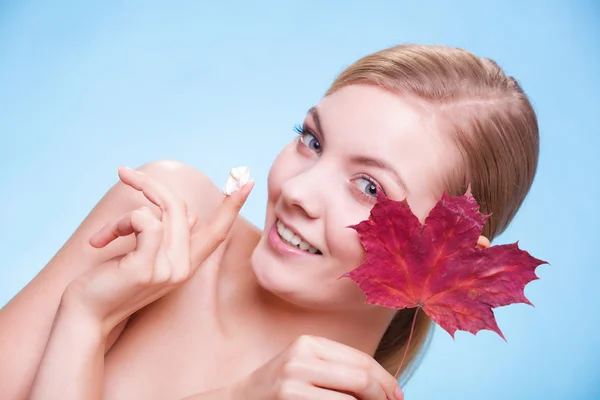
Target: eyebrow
368	161
373	162
315	114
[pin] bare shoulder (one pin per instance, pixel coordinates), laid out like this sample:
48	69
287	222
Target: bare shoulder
192	185
198	191
187	182
27	319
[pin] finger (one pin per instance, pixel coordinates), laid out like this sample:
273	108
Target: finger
136	267
399	394
340	377
192	219
305	391
174	211
149	238
139	181
483	242
122	227
111	231
330	350
213	233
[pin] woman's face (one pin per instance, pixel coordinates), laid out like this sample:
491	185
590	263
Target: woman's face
357	141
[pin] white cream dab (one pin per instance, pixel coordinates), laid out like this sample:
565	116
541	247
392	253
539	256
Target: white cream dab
238	177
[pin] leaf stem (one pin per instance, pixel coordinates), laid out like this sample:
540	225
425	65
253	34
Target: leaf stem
412	328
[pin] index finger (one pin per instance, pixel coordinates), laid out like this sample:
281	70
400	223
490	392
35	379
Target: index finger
215	231
174	211
335	351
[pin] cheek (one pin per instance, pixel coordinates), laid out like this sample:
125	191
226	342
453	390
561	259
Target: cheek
281	170
421	206
345	243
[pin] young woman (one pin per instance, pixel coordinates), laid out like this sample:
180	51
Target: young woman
164	292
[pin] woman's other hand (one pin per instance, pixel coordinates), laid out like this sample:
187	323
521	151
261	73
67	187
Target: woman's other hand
315	368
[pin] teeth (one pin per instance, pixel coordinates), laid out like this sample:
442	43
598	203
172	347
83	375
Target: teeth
287	235
290	237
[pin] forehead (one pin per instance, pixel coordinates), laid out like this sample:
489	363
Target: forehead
381	115
366	120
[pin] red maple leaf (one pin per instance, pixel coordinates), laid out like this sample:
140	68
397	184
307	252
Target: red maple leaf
437	266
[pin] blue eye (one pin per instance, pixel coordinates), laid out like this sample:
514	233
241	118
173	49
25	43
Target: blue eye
308	139
367	186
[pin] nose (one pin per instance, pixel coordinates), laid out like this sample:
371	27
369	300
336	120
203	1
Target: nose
302	194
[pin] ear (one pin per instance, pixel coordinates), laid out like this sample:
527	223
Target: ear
483	242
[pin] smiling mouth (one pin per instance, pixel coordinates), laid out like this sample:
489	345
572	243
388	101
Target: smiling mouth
293	239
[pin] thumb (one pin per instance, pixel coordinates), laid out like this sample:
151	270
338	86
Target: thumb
215	231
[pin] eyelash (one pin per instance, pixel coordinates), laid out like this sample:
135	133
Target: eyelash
301	130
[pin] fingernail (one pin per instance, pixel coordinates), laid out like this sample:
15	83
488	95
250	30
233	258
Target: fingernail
398	393
246	189
129	169
93	239
192	219
248	186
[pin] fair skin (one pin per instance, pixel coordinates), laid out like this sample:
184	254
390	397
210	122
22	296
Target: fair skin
248	317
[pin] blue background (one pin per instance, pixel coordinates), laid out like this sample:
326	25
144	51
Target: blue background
88	86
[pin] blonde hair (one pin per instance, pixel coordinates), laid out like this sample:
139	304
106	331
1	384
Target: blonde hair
494	128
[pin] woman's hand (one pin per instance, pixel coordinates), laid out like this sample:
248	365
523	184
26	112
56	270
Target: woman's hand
164	258
315	368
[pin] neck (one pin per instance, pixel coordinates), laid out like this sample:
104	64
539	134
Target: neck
362	330
269	323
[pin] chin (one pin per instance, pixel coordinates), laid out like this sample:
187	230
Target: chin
277	277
